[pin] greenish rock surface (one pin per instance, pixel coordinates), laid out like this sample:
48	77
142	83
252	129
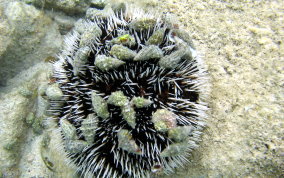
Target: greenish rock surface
126	142
100	106
88	127
75	146
149	52
122	52
157	37
15	108
90	32
80	59
106	63
180	133
71	7
118	99
68	130
128	113
172	60
28	37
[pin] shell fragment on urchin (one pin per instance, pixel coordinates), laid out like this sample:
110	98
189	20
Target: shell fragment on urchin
133	91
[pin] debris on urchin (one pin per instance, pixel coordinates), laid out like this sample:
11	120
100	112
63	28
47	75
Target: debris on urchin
133	88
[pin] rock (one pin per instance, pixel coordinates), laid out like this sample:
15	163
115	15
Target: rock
149	52
122	52
99	4
126	142
105	63
31	38
65	23
68	130
70	7
100	106
14	110
5	34
93	13
118	99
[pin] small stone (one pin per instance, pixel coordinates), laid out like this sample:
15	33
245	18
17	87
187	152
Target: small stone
126	40
149	52
75	146
80	59
184	48
118	99
164	120
53	92
141	102
88	128
91	33
157	37
126	142
172	60
68	130
143	24
182	34
180	134
122	52
128	114
105	63
175	149
99	106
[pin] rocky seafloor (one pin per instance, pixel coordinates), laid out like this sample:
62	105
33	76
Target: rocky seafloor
241	43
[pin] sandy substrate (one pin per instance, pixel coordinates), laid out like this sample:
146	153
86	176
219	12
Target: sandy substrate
242	45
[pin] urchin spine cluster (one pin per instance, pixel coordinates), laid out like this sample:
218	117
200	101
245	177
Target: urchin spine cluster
132	95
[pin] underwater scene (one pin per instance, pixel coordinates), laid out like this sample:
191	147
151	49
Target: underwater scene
141	89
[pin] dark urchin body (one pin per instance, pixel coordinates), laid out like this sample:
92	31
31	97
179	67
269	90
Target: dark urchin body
176	89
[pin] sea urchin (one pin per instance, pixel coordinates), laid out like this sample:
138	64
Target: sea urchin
132	95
